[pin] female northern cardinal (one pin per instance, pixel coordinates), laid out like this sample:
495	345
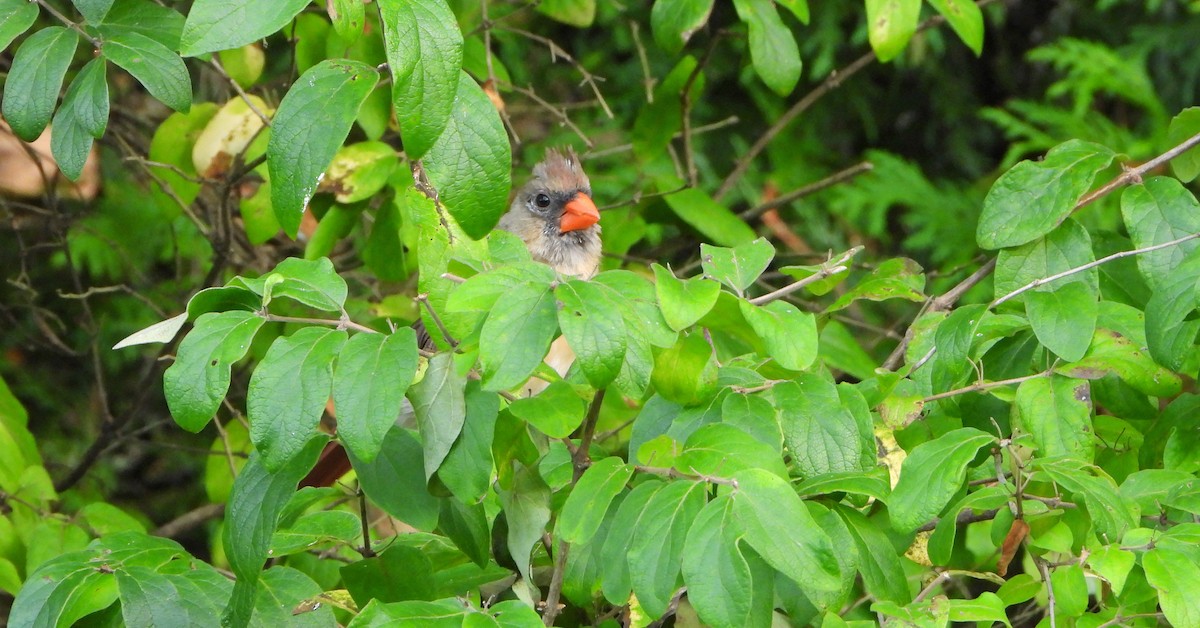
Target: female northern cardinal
556	218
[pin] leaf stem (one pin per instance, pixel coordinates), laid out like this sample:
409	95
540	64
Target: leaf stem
812	188
982	386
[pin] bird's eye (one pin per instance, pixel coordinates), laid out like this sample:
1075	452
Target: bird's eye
542	201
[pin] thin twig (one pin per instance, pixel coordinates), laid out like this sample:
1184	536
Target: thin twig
673	473
1045	571
342	323
96	43
685	106
984	386
423	299
556	584
189	520
216	64
624	148
811	188
828	269
1088	266
557	52
561	114
648	80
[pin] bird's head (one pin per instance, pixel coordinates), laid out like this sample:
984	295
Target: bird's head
555	215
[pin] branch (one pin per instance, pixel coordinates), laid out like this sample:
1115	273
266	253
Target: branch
96	43
812	188
341	323
828	269
1088	266
982	386
700	130
580	462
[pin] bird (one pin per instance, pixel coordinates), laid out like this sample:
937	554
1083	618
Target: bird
556	218
554	215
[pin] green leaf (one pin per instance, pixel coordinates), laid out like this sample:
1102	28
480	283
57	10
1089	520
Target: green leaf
467	469
1034	197
516	336
16	16
781	529
1112	514
424	52
614	570
527	507
469	163
713	220
555	412
739	266
209	23
315	529
897	278
288	392
675	21
687	372
773	49
1170	329
1113	564
594	326
480	292
942	541
872	484
1019	588
656	548
31	88
373	372
953	339
359	171
799	8
439	401
1184	125
155	66
931	474
1064	319
348	17
720	577
388	577
1067	246
827	428
314	283
198	380
149	598
683	301
467	525
965	18
882	571
1070	590
258	498
987	608
160	23
790	335
590	498
1177	578
641	310
308	129
1158	211
580	13
82	117
1057	411
720	450
890	24
754	415
396	480
87	98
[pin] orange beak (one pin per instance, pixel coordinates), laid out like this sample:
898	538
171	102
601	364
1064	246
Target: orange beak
579	213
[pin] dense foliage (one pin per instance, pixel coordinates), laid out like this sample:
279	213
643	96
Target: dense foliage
896	321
